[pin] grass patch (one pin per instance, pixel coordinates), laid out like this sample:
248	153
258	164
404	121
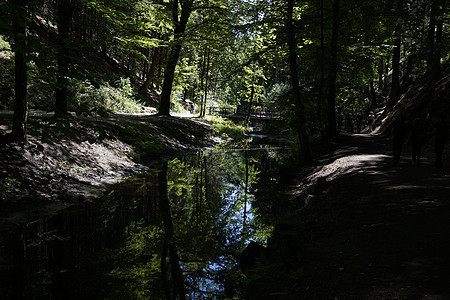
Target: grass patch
144	144
227	127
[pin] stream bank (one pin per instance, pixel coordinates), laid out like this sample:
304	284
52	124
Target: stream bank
66	162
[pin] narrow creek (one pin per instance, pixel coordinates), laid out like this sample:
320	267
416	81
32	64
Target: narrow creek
175	230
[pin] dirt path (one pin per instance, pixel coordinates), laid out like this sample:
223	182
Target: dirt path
374	231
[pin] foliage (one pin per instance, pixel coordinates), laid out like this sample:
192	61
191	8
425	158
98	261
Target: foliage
232	51
227	127
89	98
6	74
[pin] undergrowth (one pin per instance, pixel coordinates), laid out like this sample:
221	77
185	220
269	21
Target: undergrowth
144	145
120	98
227	127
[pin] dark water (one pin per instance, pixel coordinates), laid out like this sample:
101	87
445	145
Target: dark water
176	230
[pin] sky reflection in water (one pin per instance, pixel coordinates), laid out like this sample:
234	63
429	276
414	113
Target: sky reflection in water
219	201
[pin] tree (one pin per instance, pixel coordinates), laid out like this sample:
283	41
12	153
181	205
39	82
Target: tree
332	72
299	107
434	39
64	19
179	24
394	95
20	70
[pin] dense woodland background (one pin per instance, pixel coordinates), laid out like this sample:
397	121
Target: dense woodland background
302	59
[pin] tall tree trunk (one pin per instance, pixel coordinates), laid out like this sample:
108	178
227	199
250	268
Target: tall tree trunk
431	36
205	94
394	95
65	12
202	80
435	50
305	150
151	71
332	75
20	71
322	67
174	54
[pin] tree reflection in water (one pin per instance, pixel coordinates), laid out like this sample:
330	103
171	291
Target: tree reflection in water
174	232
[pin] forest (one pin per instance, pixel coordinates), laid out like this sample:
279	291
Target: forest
98	92
303	60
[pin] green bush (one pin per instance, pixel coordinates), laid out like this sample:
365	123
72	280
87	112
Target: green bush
89	98
6	75
227	127
40	87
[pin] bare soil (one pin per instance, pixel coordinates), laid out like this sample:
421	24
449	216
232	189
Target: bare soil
371	230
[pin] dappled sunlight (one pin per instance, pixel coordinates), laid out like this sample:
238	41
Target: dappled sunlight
349	164
402	187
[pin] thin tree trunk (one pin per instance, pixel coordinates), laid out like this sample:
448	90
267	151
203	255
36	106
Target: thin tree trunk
380	75
332	75
299	108
205	163
250	104
202	80
436	50
395	81
20	71
431	36
244	220
201	186
205	94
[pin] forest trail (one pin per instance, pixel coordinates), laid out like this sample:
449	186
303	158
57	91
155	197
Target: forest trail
374	231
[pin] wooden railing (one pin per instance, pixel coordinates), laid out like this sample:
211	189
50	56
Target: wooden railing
233	113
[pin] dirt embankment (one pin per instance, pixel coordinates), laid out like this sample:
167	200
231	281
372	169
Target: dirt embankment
65	162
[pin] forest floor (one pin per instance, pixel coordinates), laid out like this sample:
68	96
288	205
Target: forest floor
65	162
371	230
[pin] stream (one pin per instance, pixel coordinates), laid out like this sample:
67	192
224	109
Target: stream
175	230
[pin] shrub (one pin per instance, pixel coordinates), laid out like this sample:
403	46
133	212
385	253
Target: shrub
227	127
88	98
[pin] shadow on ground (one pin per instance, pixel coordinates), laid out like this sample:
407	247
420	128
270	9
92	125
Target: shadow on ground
374	231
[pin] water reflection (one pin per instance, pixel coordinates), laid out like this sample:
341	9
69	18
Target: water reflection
174	232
